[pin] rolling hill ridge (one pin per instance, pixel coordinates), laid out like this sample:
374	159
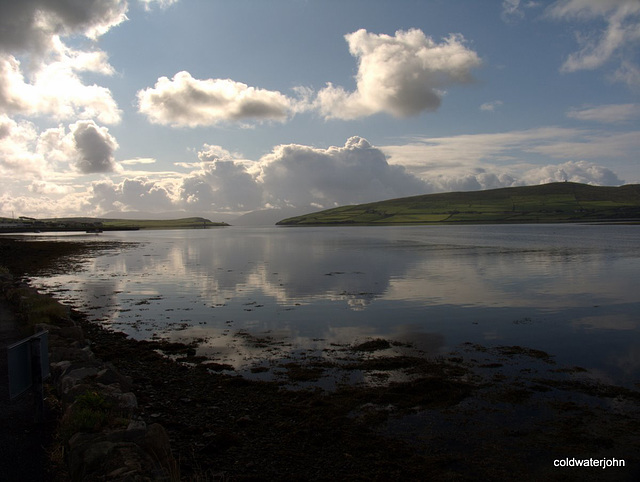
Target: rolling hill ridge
546	203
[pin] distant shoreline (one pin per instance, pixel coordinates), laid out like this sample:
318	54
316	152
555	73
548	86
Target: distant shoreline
97	225
630	222
62	230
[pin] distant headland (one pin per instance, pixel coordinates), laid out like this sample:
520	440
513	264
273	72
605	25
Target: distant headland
25	224
558	202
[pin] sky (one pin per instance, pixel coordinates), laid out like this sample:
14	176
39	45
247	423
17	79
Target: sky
223	107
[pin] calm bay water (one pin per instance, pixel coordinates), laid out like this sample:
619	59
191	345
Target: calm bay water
570	290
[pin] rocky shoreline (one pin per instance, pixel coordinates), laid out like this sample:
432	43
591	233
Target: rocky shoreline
99	433
481	413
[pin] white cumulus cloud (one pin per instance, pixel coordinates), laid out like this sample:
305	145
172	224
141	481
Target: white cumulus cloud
46	188
39	74
402	75
186	101
25	152
222	183
298	175
49	202
484	161
573	171
18	156
290	175
618	39
56	90
137	194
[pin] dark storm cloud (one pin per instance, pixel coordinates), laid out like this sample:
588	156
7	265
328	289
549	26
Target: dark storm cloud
29	25
94	147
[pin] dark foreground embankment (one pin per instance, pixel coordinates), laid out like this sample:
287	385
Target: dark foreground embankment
23	454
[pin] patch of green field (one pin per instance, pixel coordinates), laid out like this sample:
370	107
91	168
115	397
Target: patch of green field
554	202
182	223
97	224
410	218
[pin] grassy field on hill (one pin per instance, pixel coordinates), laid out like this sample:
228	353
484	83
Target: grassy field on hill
546	203
8	225
182	223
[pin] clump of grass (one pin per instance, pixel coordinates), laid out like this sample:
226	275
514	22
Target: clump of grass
90	413
33	308
44	309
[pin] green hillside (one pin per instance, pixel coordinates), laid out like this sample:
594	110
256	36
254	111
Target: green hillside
558	202
182	223
25	224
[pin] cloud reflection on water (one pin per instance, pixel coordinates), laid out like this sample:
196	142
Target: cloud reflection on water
335	284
